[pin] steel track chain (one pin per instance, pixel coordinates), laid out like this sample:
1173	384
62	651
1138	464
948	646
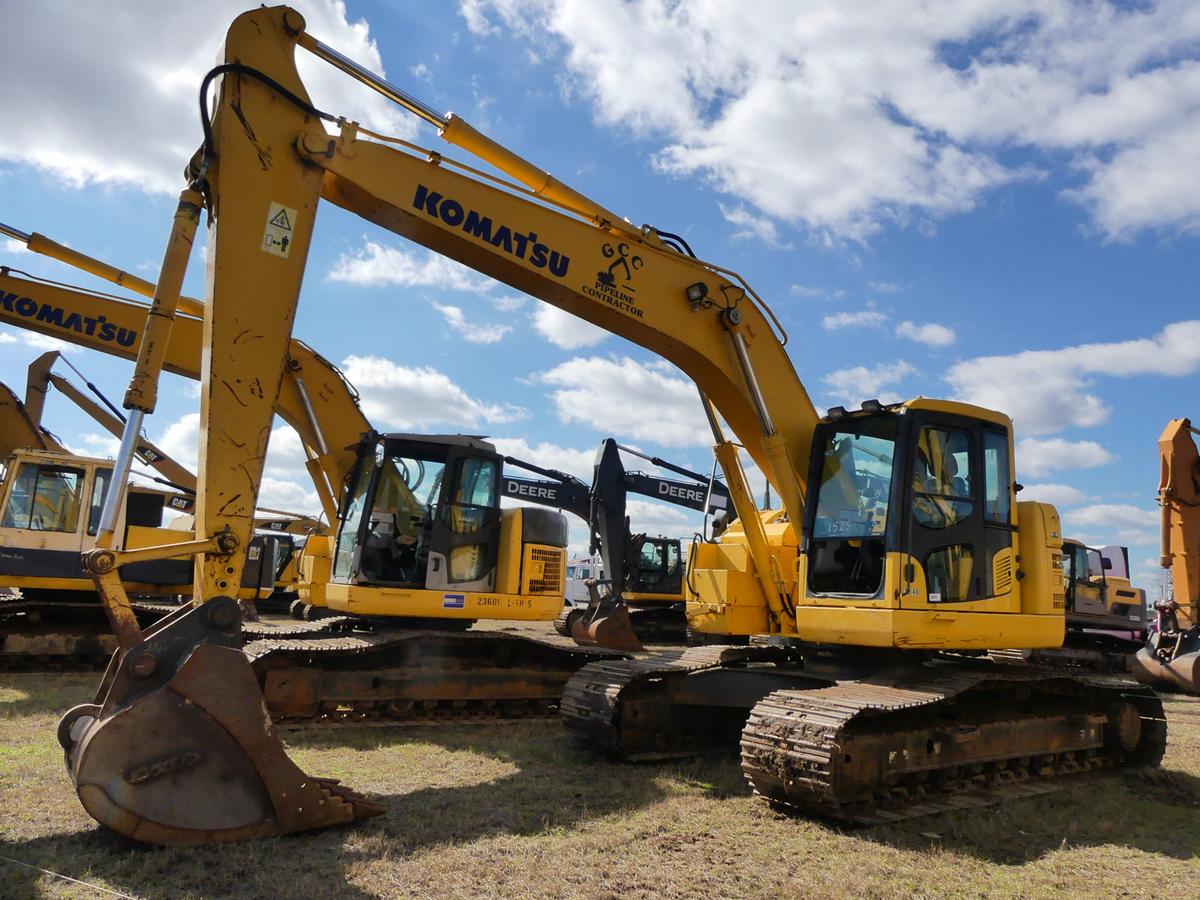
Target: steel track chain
793	742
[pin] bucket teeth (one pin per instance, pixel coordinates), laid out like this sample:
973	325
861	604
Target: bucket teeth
361	807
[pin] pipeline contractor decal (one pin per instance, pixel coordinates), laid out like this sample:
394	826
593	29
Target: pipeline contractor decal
614	285
522	245
98	327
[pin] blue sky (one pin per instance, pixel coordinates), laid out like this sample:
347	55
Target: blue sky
993	201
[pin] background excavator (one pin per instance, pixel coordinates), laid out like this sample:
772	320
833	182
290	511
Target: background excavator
1171	657
1107	617
899	552
641	572
50	502
323	674
288	530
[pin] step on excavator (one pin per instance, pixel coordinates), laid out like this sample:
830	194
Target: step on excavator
899	558
391	650
640	595
1171	657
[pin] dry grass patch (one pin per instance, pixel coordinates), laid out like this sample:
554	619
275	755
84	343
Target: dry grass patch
519	810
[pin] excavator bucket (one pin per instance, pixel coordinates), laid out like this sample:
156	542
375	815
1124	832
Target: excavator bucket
606	623
1181	673
179	748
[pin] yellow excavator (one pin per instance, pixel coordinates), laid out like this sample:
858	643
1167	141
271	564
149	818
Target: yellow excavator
899	558
50	500
1171	657
394	650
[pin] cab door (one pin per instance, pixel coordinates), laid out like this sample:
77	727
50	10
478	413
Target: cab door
959	527
1085	581
464	539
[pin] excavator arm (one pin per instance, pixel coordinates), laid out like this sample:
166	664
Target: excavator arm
537	236
41	378
1172	655
19	428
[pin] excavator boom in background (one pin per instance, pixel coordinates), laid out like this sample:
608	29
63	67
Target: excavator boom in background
640	572
1171	658
900	545
353	664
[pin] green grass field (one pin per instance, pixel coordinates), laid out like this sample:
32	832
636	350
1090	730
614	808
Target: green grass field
519	810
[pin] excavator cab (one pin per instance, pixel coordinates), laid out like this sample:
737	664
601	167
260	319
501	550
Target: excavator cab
423	513
913	519
658	568
934	486
50	504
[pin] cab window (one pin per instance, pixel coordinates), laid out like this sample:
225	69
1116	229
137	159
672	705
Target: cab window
99	492
942	490
474	498
996	477
45	498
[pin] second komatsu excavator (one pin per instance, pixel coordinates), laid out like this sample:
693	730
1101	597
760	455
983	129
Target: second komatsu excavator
899	557
390	570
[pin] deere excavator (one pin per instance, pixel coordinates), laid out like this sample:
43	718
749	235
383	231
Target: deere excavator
899	558
643	573
1171	657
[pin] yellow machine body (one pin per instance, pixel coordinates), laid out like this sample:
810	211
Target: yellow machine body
1024	610
43	534
779	573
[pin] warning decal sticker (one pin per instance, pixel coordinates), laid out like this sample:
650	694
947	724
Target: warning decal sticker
278	236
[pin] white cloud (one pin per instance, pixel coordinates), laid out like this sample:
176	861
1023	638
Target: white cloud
844	117
508	304
474	334
1036	457
1059	495
130	118
858	383
565	330
95	444
288	495
887	287
34	341
550	456
1120	523
930	333
816	293
374	265
418	398
750	226
867	318
11	245
1047	390
620	396
181	440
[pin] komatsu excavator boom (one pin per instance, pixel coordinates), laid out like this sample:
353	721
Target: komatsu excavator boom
899	545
